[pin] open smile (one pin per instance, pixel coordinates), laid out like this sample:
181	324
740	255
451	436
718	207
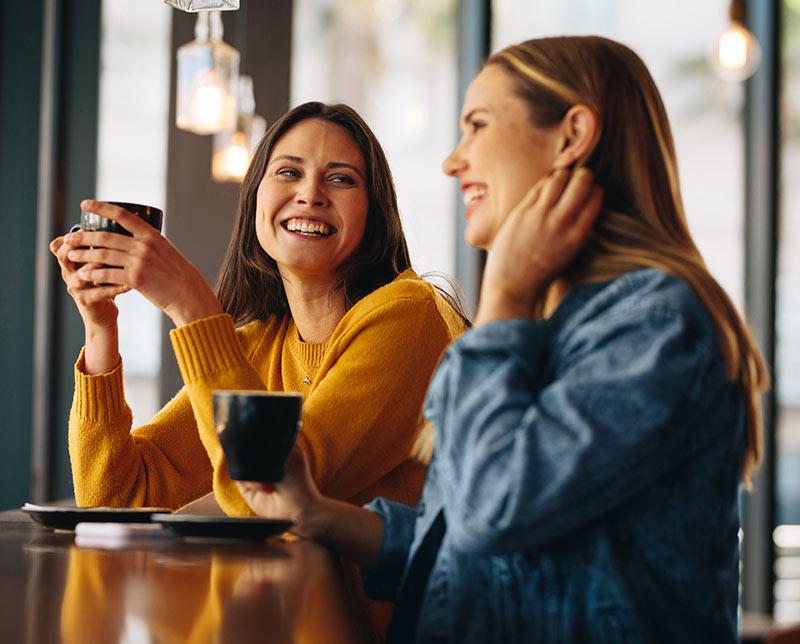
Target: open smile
307	227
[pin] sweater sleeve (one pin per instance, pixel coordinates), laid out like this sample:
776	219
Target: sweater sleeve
210	356
362	413
535	441
161	464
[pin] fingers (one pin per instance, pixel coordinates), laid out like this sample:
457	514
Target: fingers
129	221
99	256
577	191
93	238
57	243
573	201
553	186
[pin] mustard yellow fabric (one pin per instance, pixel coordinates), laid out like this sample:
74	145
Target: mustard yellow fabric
360	415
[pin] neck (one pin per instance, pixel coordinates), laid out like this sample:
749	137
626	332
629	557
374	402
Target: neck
555	295
315	313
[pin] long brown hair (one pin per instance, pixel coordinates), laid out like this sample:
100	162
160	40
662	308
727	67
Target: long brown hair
250	286
643	223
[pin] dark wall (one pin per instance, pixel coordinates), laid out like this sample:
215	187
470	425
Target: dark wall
20	47
74	180
27	266
200	213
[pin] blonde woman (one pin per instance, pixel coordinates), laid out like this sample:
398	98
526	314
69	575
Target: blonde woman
591	431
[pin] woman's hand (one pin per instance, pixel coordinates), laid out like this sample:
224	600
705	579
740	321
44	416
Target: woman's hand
146	262
350	530
536	242
96	307
295	497
95	303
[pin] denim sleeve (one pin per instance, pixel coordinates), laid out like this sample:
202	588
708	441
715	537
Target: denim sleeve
533	442
382	579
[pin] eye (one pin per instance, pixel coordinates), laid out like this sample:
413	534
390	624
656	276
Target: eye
476	125
287	172
343	179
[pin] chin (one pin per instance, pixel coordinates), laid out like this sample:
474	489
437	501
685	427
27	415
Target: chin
476	239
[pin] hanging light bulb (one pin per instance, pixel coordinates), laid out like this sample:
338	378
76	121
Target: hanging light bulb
208	76
233	149
203	5
736	53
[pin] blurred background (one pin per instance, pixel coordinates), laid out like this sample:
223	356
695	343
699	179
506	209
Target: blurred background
87	109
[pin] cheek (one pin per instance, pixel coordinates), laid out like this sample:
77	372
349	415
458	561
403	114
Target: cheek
356	219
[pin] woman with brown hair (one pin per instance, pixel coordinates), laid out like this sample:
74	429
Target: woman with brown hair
591	431
316	295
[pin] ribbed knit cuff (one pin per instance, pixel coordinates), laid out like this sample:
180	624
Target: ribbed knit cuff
207	346
98	396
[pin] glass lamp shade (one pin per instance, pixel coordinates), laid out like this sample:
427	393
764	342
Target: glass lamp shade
192	6
233	149
736	53
208	77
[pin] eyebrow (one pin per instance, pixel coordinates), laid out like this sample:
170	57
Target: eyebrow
468	116
332	165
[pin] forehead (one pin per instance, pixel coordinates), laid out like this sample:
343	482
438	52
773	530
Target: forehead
318	139
493	90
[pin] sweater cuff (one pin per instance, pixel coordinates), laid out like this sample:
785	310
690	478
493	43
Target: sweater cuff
205	347
98	396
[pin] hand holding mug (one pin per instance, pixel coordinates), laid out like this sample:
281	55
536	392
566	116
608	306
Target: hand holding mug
295	496
95	301
143	260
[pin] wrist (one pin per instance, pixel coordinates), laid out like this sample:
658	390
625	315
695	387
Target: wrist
317	519
495	304
192	312
101	350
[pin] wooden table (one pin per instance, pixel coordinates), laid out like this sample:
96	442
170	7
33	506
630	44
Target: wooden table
181	591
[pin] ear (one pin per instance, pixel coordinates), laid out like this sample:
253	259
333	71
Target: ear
578	130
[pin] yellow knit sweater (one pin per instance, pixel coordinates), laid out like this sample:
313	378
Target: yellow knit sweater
360	415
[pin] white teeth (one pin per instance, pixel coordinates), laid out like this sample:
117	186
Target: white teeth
308	227
473	193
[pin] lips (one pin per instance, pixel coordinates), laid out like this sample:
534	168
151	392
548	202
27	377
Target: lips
473	193
308	227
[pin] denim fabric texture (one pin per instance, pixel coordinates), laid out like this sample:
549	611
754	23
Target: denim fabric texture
588	467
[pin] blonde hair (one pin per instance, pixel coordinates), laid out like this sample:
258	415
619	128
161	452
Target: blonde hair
643	224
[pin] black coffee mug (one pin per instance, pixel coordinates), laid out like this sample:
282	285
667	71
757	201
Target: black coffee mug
257	430
93	222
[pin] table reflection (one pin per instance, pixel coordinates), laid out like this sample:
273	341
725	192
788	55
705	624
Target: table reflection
173	591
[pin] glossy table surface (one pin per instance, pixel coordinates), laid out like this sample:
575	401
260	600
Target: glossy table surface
168	590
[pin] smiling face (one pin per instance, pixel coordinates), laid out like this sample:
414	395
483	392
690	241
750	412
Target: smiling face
500	156
311	205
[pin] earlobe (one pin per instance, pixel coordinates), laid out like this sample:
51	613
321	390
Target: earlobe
579	128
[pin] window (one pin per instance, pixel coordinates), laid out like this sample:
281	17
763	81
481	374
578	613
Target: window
787	331
132	156
393	61
704	111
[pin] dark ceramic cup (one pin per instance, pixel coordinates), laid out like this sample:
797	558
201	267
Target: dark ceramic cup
257	430
93	222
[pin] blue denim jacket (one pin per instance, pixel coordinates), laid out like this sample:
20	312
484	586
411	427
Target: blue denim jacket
587	467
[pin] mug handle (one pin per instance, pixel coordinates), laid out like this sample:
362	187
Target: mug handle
75	228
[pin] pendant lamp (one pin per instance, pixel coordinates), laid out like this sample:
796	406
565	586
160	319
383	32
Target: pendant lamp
203	5
233	149
736	53
208	78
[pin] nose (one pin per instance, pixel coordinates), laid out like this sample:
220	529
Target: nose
455	163
311	193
